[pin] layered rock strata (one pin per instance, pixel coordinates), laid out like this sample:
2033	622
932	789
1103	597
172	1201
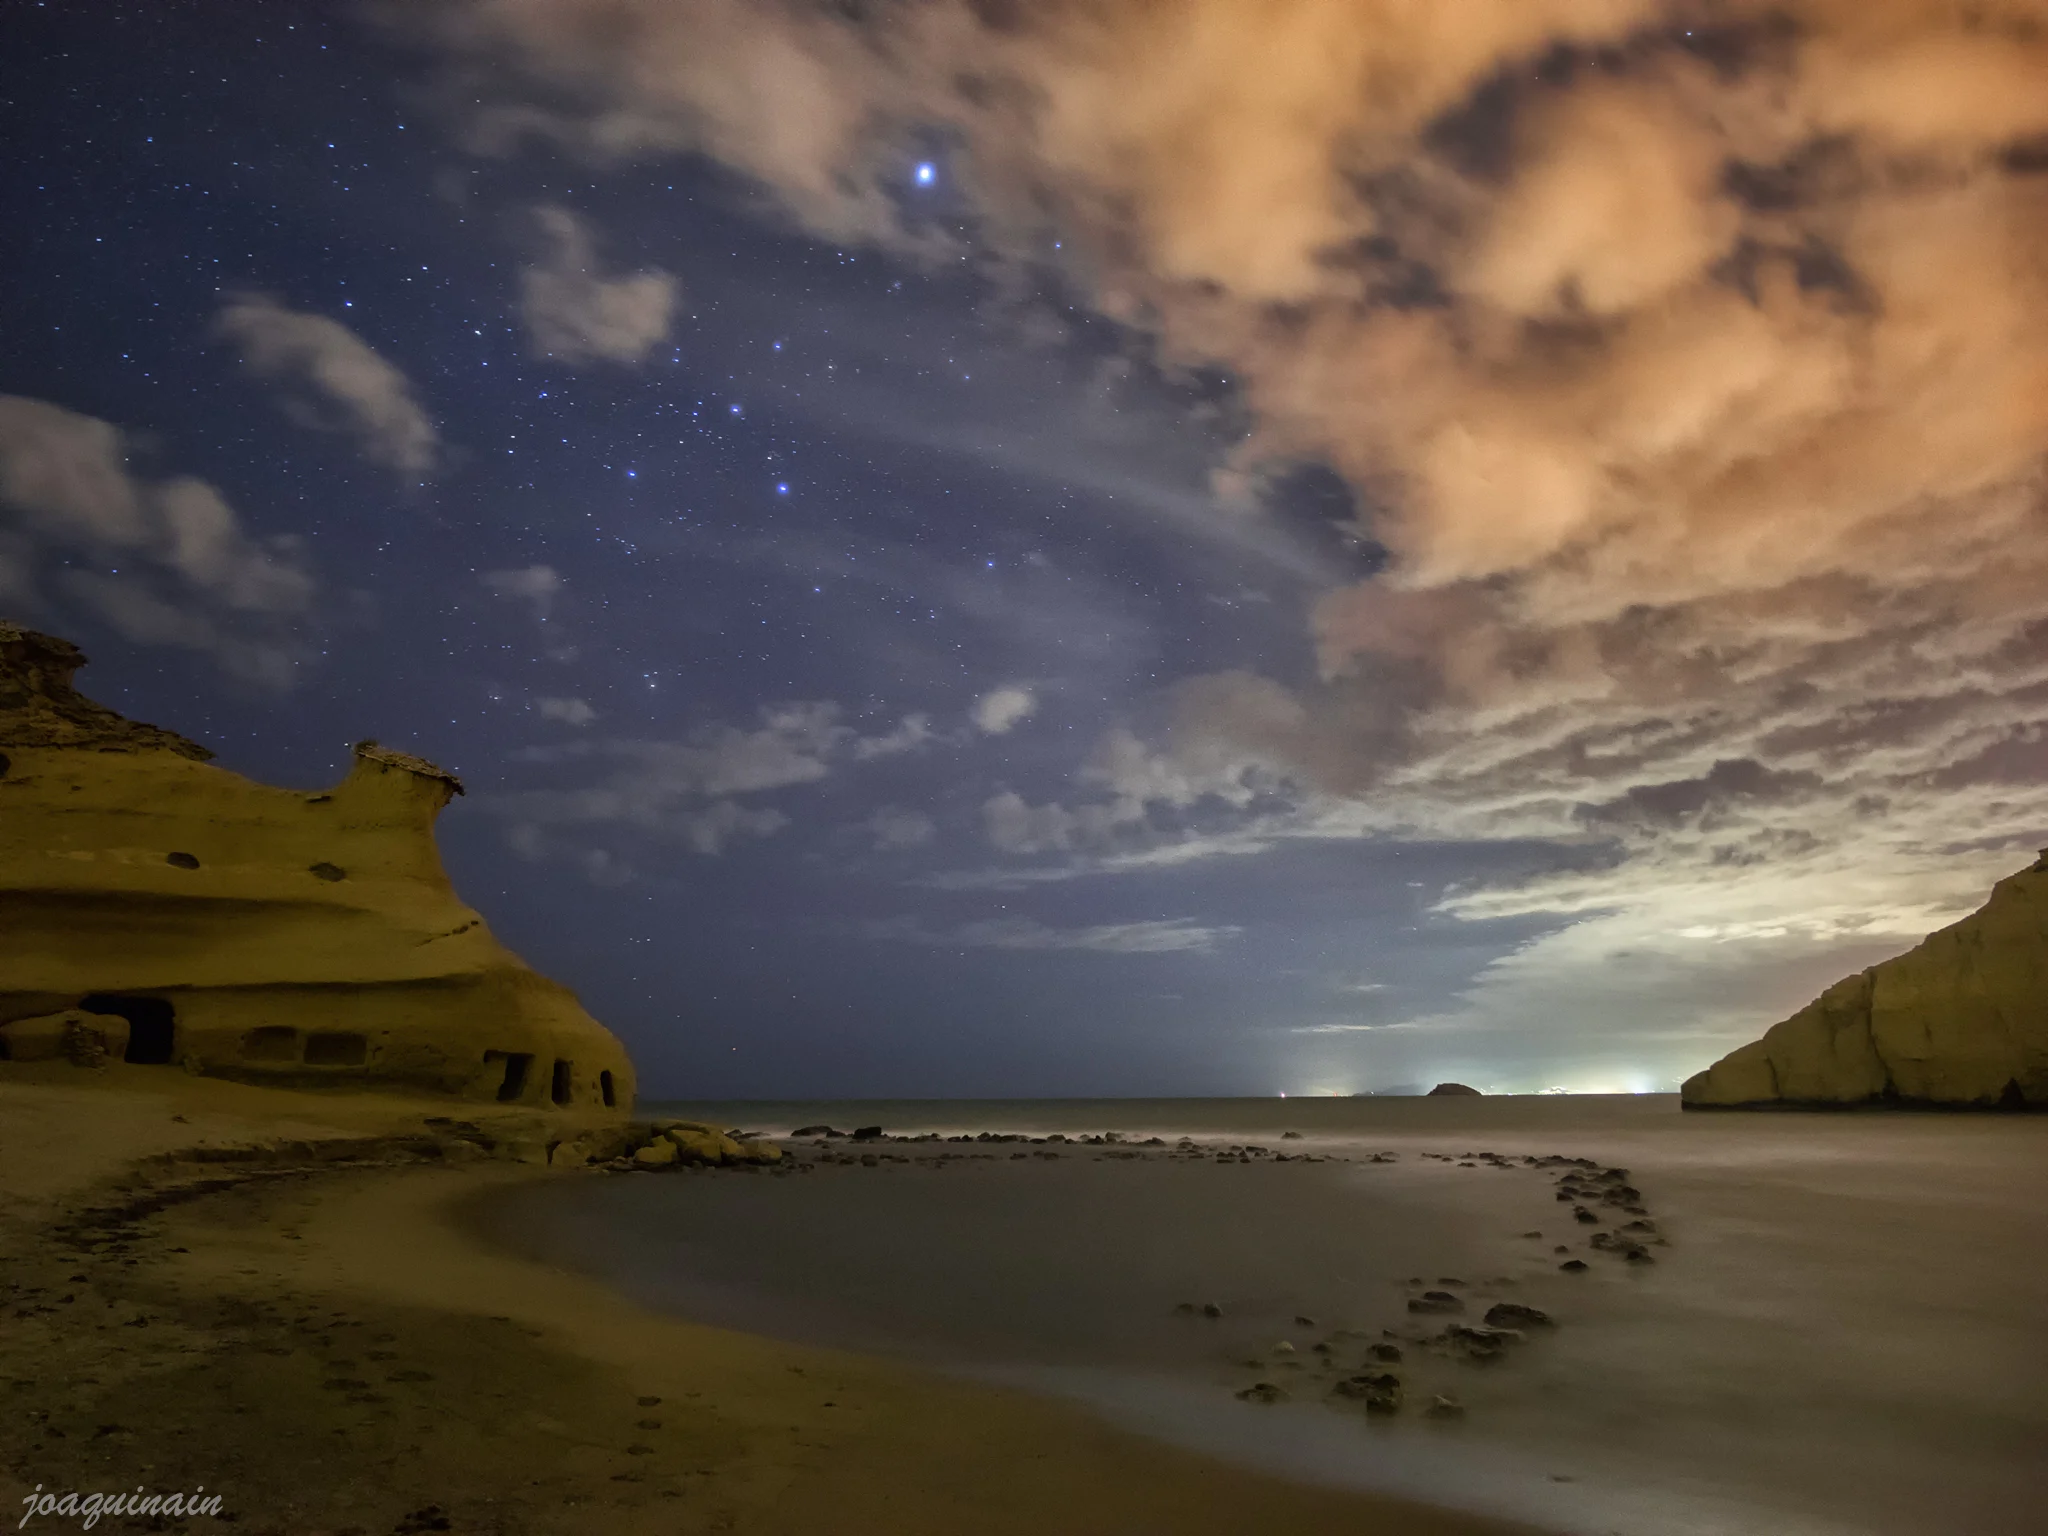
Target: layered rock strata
1961	1021
239	930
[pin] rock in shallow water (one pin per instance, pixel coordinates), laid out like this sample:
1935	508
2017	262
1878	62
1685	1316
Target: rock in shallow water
1435	1301
1379	1391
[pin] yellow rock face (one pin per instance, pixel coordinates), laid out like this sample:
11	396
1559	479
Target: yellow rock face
267	934
1961	1020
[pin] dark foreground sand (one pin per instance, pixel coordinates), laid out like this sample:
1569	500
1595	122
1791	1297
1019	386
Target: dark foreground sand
263	1293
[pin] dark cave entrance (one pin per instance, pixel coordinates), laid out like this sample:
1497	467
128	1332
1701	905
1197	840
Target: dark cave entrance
512	1087
152	1025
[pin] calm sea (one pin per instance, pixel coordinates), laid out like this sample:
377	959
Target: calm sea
1845	1331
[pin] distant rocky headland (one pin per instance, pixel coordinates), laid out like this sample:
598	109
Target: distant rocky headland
1960	1022
159	910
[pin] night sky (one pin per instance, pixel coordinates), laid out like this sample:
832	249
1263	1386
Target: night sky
919	610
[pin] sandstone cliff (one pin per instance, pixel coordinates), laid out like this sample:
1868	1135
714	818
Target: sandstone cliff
1961	1021
268	934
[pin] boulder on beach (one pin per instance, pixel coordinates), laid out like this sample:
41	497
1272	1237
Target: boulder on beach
1958	1021
1452	1090
301	938
38	1039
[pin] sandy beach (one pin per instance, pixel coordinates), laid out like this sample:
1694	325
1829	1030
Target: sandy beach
264	1295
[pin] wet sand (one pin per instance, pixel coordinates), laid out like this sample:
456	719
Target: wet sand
267	1295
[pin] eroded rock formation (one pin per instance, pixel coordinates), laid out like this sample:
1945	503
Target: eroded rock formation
269	934
1961	1021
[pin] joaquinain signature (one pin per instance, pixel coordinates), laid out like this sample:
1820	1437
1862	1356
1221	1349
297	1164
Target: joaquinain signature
87	1508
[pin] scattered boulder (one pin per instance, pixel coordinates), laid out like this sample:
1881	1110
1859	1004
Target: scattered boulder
656	1154
700	1143
816	1131
1379	1391
1435	1301
1514	1314
1388	1353
1445	1408
1452	1090
37	1039
594	1144
1484	1345
868	1133
1261	1392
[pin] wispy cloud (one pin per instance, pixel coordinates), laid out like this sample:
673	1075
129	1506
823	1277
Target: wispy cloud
1179	935
164	562
574	313
1001	710
567	711
895	829
334	380
699	790
537	585
910	734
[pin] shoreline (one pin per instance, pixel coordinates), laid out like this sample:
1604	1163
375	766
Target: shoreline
314	1332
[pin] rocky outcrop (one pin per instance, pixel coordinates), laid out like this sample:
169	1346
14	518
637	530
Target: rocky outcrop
664	1144
235	929
1960	1021
1453	1091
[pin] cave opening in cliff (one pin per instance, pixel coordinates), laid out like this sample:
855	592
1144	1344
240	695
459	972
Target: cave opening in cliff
604	1086
271	1042
517	1064
152	1025
337	1048
562	1088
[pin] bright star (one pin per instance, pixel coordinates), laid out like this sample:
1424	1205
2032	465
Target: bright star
927	173
782	488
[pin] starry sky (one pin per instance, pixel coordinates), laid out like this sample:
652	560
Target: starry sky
1102	549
